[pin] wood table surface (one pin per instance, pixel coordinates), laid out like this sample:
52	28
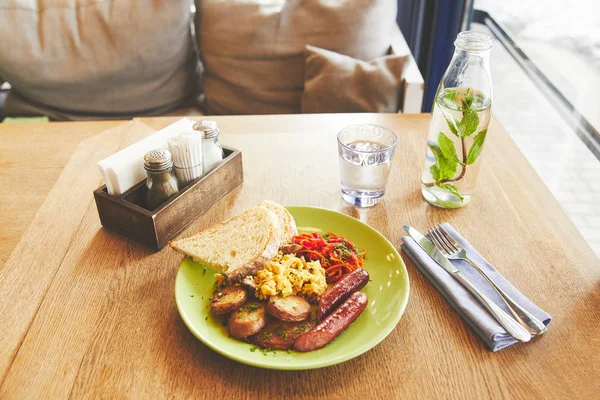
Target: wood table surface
87	313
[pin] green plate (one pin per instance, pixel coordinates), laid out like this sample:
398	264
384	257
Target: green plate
387	293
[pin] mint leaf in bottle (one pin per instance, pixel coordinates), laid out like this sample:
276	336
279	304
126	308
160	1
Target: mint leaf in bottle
452	124
443	168
476	147
452	189
468	124
447	146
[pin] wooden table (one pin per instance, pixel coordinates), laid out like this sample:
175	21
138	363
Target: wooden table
87	313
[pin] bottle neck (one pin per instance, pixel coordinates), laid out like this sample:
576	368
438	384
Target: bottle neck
469	69
482	56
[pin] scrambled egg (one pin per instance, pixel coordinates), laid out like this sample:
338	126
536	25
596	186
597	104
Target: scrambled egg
288	274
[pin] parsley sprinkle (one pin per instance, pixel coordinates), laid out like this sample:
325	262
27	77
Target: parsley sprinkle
253	349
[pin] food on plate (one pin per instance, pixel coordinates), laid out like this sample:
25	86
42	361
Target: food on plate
290	248
237	247
247	320
334	324
288	274
227	300
340	291
247	283
290	308
338	255
268	276
280	335
287	222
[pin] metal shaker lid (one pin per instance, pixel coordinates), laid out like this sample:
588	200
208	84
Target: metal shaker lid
209	128
158	160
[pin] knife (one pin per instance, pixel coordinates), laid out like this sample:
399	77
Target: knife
510	324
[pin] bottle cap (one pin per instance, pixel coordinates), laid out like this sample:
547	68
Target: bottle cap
209	129
158	160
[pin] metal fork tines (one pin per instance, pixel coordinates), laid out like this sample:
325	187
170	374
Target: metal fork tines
453	250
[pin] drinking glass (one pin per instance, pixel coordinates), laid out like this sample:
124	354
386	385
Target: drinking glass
365	157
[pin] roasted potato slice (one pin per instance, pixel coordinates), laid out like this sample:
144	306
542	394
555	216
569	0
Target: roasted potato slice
280	334
247	320
226	300
290	308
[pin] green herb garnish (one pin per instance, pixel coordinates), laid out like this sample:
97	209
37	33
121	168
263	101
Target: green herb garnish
444	170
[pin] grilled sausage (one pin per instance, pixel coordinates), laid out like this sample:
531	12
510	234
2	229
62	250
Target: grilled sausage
280	335
334	324
290	308
248	284
247	320
340	291
290	248
226	300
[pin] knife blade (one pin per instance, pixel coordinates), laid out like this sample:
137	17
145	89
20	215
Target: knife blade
430	249
513	328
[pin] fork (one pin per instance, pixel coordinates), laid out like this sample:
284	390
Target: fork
454	251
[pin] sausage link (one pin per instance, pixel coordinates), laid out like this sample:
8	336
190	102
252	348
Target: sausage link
334	324
341	290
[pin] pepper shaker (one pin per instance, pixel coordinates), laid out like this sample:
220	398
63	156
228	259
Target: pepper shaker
161	182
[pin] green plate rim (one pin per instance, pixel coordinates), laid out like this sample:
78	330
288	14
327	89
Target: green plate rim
321	364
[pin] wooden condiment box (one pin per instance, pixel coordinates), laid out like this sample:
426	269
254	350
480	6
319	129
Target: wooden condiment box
126	215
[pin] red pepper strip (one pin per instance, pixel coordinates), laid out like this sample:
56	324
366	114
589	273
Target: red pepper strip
311	254
307	244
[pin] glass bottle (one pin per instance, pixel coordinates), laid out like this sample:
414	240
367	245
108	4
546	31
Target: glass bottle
212	152
459	121
161	182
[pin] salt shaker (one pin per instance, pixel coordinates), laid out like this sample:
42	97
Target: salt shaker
161	182
212	152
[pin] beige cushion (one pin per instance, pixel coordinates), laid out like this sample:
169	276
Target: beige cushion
84	58
253	50
335	83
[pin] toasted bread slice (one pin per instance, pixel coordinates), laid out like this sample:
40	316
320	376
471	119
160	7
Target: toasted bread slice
237	247
288	224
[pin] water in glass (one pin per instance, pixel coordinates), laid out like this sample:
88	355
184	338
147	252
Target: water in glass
365	159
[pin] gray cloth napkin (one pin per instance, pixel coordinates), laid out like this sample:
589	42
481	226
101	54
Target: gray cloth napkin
490	331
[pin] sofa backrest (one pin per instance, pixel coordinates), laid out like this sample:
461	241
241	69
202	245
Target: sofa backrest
254	50
93	58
